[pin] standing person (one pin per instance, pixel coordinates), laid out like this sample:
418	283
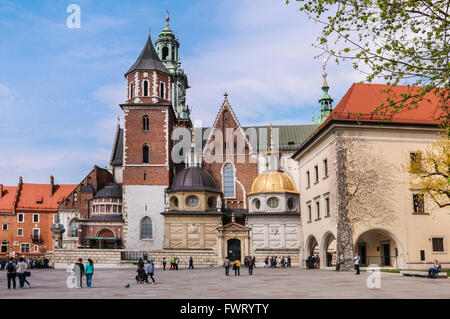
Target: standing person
89	272
149	271
317	262
20	270
191	263
11	272
237	265
79	272
356	261
250	266
176	263
226	264
435	269
164	263
289	261
266	262
3	263
172	263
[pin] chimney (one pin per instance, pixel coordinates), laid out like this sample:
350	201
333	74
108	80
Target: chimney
1	191
52	185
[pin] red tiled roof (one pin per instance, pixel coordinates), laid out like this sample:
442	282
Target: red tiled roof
33	197
7	200
37	196
359	103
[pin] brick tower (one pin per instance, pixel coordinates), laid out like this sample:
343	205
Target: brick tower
147	166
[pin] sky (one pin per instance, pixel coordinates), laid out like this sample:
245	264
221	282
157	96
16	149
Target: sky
60	87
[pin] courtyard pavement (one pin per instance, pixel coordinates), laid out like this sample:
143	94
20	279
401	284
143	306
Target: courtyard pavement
212	283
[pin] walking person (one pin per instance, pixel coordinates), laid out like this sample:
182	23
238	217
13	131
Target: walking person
79	273
177	261
237	266
20	270
89	268
164	262
11	272
356	261
289	261
149	271
226	264
191	263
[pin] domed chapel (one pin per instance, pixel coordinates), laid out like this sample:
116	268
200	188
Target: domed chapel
145	204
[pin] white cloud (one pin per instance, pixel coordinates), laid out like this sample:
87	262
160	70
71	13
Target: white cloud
266	64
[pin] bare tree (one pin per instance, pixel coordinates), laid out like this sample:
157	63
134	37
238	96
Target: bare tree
365	188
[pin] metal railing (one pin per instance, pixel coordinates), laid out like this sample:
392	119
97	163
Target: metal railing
134	255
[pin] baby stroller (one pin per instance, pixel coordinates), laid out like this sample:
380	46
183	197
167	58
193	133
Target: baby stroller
141	276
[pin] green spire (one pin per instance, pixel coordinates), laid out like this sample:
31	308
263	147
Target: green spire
167	46
326	101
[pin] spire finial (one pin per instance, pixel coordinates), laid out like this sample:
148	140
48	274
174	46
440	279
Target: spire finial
167	18
118	120
324	74
225	95
149	31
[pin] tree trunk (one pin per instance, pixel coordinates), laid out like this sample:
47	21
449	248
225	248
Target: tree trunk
344	240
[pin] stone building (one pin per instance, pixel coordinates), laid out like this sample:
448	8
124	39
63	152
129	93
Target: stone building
27	212
392	226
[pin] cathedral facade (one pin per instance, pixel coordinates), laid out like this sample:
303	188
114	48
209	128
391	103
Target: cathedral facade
230	192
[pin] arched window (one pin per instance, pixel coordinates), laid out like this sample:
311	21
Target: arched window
146	228
131	91
145	154
145	123
73	228
165	53
161	90
228	180
145	88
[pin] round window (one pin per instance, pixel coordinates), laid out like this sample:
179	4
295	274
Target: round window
192	201
257	203
273	202
290	203
211	202
175	201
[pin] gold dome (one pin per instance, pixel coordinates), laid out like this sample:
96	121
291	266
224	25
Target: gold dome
273	182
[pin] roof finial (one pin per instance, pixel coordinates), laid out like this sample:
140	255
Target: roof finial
149	31
225	96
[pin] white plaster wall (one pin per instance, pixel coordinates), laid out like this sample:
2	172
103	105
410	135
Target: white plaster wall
140	201
118	174
274	232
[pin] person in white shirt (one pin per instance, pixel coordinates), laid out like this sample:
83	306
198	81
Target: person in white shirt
356	260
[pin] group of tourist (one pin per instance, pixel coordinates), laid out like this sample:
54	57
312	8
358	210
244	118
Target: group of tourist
81	270
144	271
249	263
313	262
277	262
33	263
16	268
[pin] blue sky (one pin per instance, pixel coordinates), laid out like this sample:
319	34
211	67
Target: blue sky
60	87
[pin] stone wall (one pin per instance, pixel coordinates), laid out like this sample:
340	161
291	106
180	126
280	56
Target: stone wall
111	258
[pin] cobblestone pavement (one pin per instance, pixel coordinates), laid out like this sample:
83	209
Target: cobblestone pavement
212	283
